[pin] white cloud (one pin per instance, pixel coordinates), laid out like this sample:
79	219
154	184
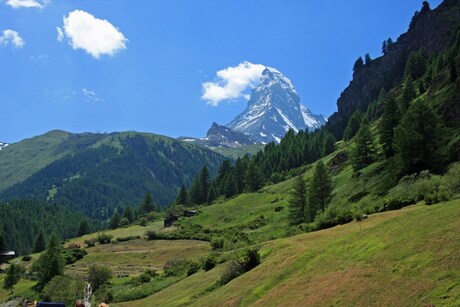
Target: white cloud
231	82
96	36
27	3
90	96
11	37
60	36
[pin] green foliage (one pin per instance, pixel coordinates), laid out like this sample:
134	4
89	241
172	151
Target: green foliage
353	125
364	151
104	238
84	228
416	64
105	294
128	213
180	267
182	197
143	278
23	227
13	275
298	202
39	244
115	220
123	222
328	144
147	205
209	263
238	267
99	276
129	238
253	178
408	94
418	137
151	235
50	263
64	289
2	244
390	120
73	255
319	191
217	243
112	170
199	189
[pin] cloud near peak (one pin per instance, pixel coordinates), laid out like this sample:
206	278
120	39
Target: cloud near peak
96	36
232	82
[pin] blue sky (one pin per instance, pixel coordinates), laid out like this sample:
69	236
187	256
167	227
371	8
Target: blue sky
117	65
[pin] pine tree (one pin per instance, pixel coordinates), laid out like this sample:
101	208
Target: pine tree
182	197
358	64
367	59
205	183
390	120
50	263
39	244
147	205
319	192
328	144
364	150
115	220
128	214
212	195
353	125
418	137
2	244
13	275
253	178
298	201
230	187
408	94
84	228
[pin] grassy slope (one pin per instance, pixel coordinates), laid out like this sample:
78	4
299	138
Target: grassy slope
406	258
20	160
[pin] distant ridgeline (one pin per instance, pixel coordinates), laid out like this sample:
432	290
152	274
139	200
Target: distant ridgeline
96	173
407	100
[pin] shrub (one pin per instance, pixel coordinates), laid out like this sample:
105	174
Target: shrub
279	208
209	263
151	235
217	243
103	294
143	221
99	275
72	255
179	267
63	289
123	222
193	268
238	267
26	258
144	278
104	238
90	242
129	238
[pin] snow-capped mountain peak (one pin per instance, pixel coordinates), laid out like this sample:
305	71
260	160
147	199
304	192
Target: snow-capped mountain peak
273	108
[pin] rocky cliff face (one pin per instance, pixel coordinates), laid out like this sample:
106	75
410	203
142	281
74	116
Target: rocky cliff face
429	29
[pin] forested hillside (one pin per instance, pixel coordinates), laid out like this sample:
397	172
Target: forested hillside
100	172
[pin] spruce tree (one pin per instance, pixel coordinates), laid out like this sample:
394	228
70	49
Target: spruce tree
418	137
353	125
358	64
205	183
182	197
230	186
364	151
50	263
408	94
2	244
212	195
39	244
319	192
84	228
128	213
328	144
390	120
367	59
115	220
298	201
13	275
253	178
147	205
